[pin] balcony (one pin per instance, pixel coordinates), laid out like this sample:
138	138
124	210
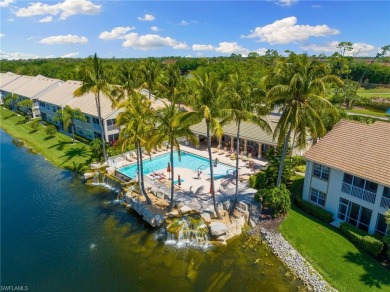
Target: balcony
358	193
96	127
385	202
112	128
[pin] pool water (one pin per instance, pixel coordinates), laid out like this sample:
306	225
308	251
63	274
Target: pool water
187	160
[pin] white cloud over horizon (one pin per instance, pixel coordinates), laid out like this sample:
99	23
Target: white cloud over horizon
64	39
228	48
2	35
17	56
147	17
63	9
6	3
70	55
359	49
116	33
151	41
286	31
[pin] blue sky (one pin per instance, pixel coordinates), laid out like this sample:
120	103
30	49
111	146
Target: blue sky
79	28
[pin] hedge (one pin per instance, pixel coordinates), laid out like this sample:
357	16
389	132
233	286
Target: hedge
362	239
313	210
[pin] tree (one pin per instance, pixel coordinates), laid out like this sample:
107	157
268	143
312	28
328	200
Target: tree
34	125
168	118
51	131
277	198
11	100
96	79
137	128
244	100
129	81
299	90
26	106
66	116
206	101
96	148
150	69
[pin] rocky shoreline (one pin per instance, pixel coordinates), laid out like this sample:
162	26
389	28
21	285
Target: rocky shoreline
295	261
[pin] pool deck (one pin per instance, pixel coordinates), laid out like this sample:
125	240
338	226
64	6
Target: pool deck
193	187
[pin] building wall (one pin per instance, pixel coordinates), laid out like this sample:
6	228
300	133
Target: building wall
333	190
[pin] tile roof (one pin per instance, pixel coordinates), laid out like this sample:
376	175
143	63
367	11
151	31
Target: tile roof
359	149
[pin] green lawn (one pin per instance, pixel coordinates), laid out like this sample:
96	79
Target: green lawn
369	111
337	259
375	92
59	150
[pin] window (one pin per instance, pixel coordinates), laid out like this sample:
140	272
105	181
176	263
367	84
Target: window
386	192
113	138
44	117
381	226
111	122
42	104
385	201
321	171
79	130
359	187
317	197
348	178
89	133
97	135
95	121
87	119
354	214
48	107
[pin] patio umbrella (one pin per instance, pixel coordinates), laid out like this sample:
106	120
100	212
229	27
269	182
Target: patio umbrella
178	180
169	170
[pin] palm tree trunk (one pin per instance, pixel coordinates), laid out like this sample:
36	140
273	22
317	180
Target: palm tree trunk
72	133
211	170
148	201
103	139
173	175
281	165
138	168
237	157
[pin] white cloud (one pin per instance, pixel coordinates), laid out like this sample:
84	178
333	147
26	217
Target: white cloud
198	47
6	3
184	22
154	28
231	48
47	19
151	41
70	55
261	51
64	39
286	3
116	33
17	56
2	35
361	49
286	31
63	9
147	17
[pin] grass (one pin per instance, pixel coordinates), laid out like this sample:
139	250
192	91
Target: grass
369	111
342	264
375	92
59	150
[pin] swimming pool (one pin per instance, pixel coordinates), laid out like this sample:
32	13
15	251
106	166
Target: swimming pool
188	160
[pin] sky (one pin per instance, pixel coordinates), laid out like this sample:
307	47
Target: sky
139	29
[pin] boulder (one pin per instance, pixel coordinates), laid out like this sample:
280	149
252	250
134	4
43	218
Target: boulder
89	175
226	205
206	217
179	204
218	228
154	219
210	210
138	207
110	171
195	205
95	166
184	210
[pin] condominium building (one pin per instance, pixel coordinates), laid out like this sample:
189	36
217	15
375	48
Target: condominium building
348	174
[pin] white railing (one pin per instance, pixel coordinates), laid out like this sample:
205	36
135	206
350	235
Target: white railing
111	128
358	192
385	202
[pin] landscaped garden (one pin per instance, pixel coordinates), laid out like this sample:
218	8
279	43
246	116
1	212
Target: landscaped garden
59	149
341	263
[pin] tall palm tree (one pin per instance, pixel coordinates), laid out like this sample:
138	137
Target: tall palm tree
11	100
168	118
66	116
150	69
207	96
96	77
137	125
300	92
129	81
244	100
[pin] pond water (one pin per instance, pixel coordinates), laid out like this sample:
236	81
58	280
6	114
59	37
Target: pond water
58	234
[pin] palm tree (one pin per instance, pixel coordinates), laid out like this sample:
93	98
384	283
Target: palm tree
137	128
150	69
168	118
11	100
129	81
300	93
26	106
66	116
96	81
207	95
244	101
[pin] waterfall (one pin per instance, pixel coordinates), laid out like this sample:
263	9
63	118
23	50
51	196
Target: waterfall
101	179
188	231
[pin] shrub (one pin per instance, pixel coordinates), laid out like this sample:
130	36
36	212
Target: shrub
82	139
313	210
278	199
34	125
361	239
300	168
298	160
51	130
386	240
252	181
